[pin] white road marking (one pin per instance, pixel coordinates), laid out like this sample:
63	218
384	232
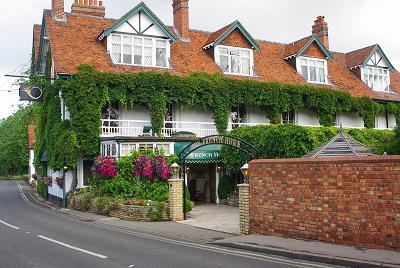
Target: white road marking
72	247
132	265
9	225
158	237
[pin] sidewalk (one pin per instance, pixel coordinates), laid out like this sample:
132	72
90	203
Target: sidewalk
314	251
347	256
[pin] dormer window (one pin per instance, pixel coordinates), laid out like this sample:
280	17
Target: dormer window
234	60
376	78
139	51
313	70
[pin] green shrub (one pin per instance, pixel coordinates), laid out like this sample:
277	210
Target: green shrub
156	191
379	141
292	141
125	166
188	205
40	187
226	186
117	186
83	200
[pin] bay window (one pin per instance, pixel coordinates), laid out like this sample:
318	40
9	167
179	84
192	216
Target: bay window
313	70
376	78
233	60
139	51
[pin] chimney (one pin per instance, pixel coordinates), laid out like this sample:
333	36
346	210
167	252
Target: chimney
181	17
320	29
88	7
57	7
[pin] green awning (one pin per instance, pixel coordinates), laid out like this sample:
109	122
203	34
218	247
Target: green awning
207	154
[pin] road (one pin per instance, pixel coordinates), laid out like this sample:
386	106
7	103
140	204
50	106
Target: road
32	235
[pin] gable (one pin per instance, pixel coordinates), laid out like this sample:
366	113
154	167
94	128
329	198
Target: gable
238	31
142	21
236	39
141	24
314	41
314	51
377	59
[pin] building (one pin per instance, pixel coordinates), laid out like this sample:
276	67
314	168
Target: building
139	42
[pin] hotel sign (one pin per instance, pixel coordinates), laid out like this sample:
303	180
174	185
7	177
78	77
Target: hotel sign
217	139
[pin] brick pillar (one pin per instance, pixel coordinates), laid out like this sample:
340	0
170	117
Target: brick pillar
244	208
176	199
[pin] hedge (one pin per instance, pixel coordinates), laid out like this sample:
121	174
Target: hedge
292	141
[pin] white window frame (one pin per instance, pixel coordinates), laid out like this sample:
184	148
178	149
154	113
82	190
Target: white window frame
154	145
298	67
375	72
154	49
294	119
217	59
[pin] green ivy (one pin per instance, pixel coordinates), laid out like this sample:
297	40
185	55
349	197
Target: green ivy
89	91
291	141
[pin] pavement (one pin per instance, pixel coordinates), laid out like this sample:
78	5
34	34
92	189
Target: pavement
314	251
218	225
220	218
33	234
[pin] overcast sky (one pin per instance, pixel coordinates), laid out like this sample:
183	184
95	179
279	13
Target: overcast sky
353	24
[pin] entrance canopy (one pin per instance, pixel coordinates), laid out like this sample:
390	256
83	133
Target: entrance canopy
204	155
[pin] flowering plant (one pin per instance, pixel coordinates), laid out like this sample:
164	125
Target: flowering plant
105	166
60	182
151	168
48	181
140	202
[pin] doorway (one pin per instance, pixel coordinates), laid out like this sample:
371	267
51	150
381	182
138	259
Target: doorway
202	182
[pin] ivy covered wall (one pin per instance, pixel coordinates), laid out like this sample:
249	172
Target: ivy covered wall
89	91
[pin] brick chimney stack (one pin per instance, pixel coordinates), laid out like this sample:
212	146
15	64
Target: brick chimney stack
320	29
89	7
181	17
57	8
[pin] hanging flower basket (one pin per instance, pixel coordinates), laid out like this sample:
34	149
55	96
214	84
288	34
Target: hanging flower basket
60	182
48	181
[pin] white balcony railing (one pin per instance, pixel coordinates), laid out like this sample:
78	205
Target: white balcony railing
136	128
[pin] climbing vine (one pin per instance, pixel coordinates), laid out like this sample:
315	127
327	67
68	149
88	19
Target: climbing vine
87	93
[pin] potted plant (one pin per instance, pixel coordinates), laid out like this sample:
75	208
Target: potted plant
60	182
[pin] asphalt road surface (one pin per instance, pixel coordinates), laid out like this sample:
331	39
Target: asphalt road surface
32	235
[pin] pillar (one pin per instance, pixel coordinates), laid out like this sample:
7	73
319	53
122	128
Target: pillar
176	199
244	208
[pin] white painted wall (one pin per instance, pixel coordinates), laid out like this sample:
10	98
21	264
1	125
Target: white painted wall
392	120
68	180
350	120
382	123
79	171
256	116
139	112
54	189
194	114
32	169
306	117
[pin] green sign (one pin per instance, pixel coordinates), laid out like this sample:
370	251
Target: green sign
207	154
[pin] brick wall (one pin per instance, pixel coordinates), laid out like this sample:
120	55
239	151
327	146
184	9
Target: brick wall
352	200
314	51
236	39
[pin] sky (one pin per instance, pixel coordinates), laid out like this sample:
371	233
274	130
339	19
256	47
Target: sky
353	24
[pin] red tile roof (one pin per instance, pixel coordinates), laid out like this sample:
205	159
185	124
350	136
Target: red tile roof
293	48
214	36
357	57
75	42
